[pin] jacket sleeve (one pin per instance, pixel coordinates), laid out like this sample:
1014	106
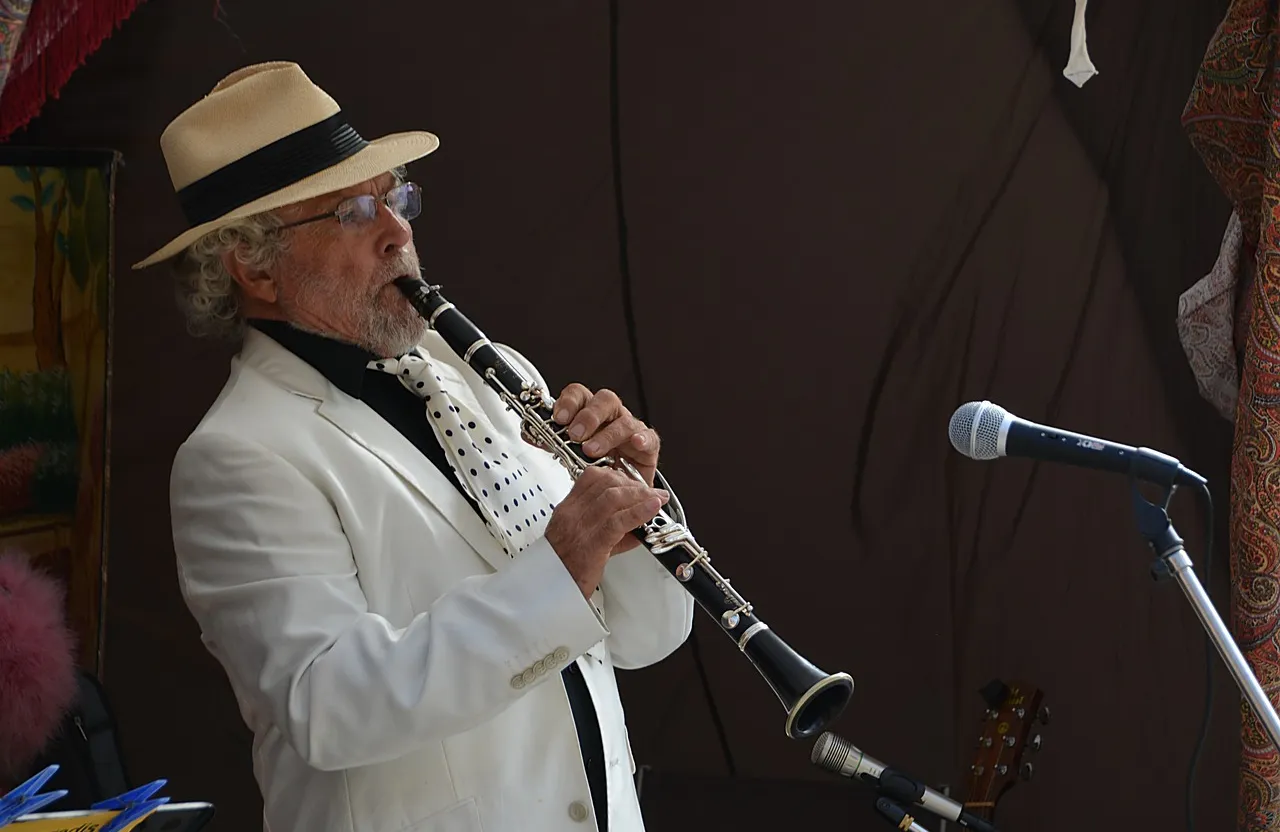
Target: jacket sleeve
648	612
268	574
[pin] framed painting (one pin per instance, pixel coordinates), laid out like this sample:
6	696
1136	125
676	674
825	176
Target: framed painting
56	271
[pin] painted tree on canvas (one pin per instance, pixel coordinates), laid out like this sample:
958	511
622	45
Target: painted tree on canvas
52	195
39	451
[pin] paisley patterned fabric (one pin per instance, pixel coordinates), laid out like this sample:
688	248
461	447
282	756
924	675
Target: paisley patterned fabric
13	21
1231	123
1207	325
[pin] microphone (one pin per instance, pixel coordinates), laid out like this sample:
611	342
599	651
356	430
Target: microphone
983	430
841	757
897	816
37	664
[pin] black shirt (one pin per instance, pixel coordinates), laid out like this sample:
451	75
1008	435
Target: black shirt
346	367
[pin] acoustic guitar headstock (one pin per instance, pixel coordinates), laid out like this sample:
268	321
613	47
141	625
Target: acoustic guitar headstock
1008	730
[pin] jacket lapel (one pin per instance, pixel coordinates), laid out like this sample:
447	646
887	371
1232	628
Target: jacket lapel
371	432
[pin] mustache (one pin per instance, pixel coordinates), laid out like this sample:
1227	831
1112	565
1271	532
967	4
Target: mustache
406	263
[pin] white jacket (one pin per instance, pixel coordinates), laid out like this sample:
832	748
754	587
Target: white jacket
399	672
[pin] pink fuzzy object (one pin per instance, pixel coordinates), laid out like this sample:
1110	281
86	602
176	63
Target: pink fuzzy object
37	663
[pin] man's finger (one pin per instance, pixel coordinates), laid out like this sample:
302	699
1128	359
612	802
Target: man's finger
570	401
614	435
603	407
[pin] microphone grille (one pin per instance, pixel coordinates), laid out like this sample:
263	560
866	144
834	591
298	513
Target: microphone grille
830	752
975	429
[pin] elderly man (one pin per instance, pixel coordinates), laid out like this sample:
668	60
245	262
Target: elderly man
420	639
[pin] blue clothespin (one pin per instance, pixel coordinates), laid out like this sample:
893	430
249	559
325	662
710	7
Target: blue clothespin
132	805
131	797
134	813
23	800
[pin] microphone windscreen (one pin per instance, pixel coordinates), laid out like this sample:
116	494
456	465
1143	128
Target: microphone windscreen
830	752
975	429
37	662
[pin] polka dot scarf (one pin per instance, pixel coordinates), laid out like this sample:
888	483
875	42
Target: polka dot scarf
514	507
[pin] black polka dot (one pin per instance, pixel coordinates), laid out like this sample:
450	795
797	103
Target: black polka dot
471	424
544	511
488	441
461	452
436	414
517	527
484	491
497	486
421	384
507	480
448	433
382	366
506	509
406	372
473	472
504	456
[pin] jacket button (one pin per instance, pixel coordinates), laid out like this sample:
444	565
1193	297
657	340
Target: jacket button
578	811
561	654
517	681
528	677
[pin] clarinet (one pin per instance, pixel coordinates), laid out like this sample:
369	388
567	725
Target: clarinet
812	698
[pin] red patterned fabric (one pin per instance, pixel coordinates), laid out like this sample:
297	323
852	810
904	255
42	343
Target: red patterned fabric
58	37
1231	124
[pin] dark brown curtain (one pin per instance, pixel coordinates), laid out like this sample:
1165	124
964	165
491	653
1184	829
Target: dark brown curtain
799	236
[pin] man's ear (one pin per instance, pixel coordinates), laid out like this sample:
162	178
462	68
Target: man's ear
254	283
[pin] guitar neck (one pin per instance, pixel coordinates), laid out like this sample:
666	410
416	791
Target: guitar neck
980	803
1013	710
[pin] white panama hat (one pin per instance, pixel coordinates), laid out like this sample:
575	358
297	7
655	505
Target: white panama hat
266	136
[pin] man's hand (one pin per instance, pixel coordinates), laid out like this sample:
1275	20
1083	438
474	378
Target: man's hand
605	427
595	520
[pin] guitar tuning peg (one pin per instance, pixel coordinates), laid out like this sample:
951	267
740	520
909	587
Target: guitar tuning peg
1036	742
1043	715
1027	771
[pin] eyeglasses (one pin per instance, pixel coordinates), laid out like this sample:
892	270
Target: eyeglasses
405	201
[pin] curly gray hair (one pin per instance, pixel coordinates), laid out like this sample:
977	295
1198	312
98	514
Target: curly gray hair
206	292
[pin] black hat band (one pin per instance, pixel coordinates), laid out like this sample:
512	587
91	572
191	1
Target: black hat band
270	168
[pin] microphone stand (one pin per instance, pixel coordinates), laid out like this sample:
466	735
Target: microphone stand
1172	560
898	816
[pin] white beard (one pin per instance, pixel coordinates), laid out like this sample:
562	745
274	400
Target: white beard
384	323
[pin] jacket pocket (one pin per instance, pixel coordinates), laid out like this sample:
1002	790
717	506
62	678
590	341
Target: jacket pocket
460	817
